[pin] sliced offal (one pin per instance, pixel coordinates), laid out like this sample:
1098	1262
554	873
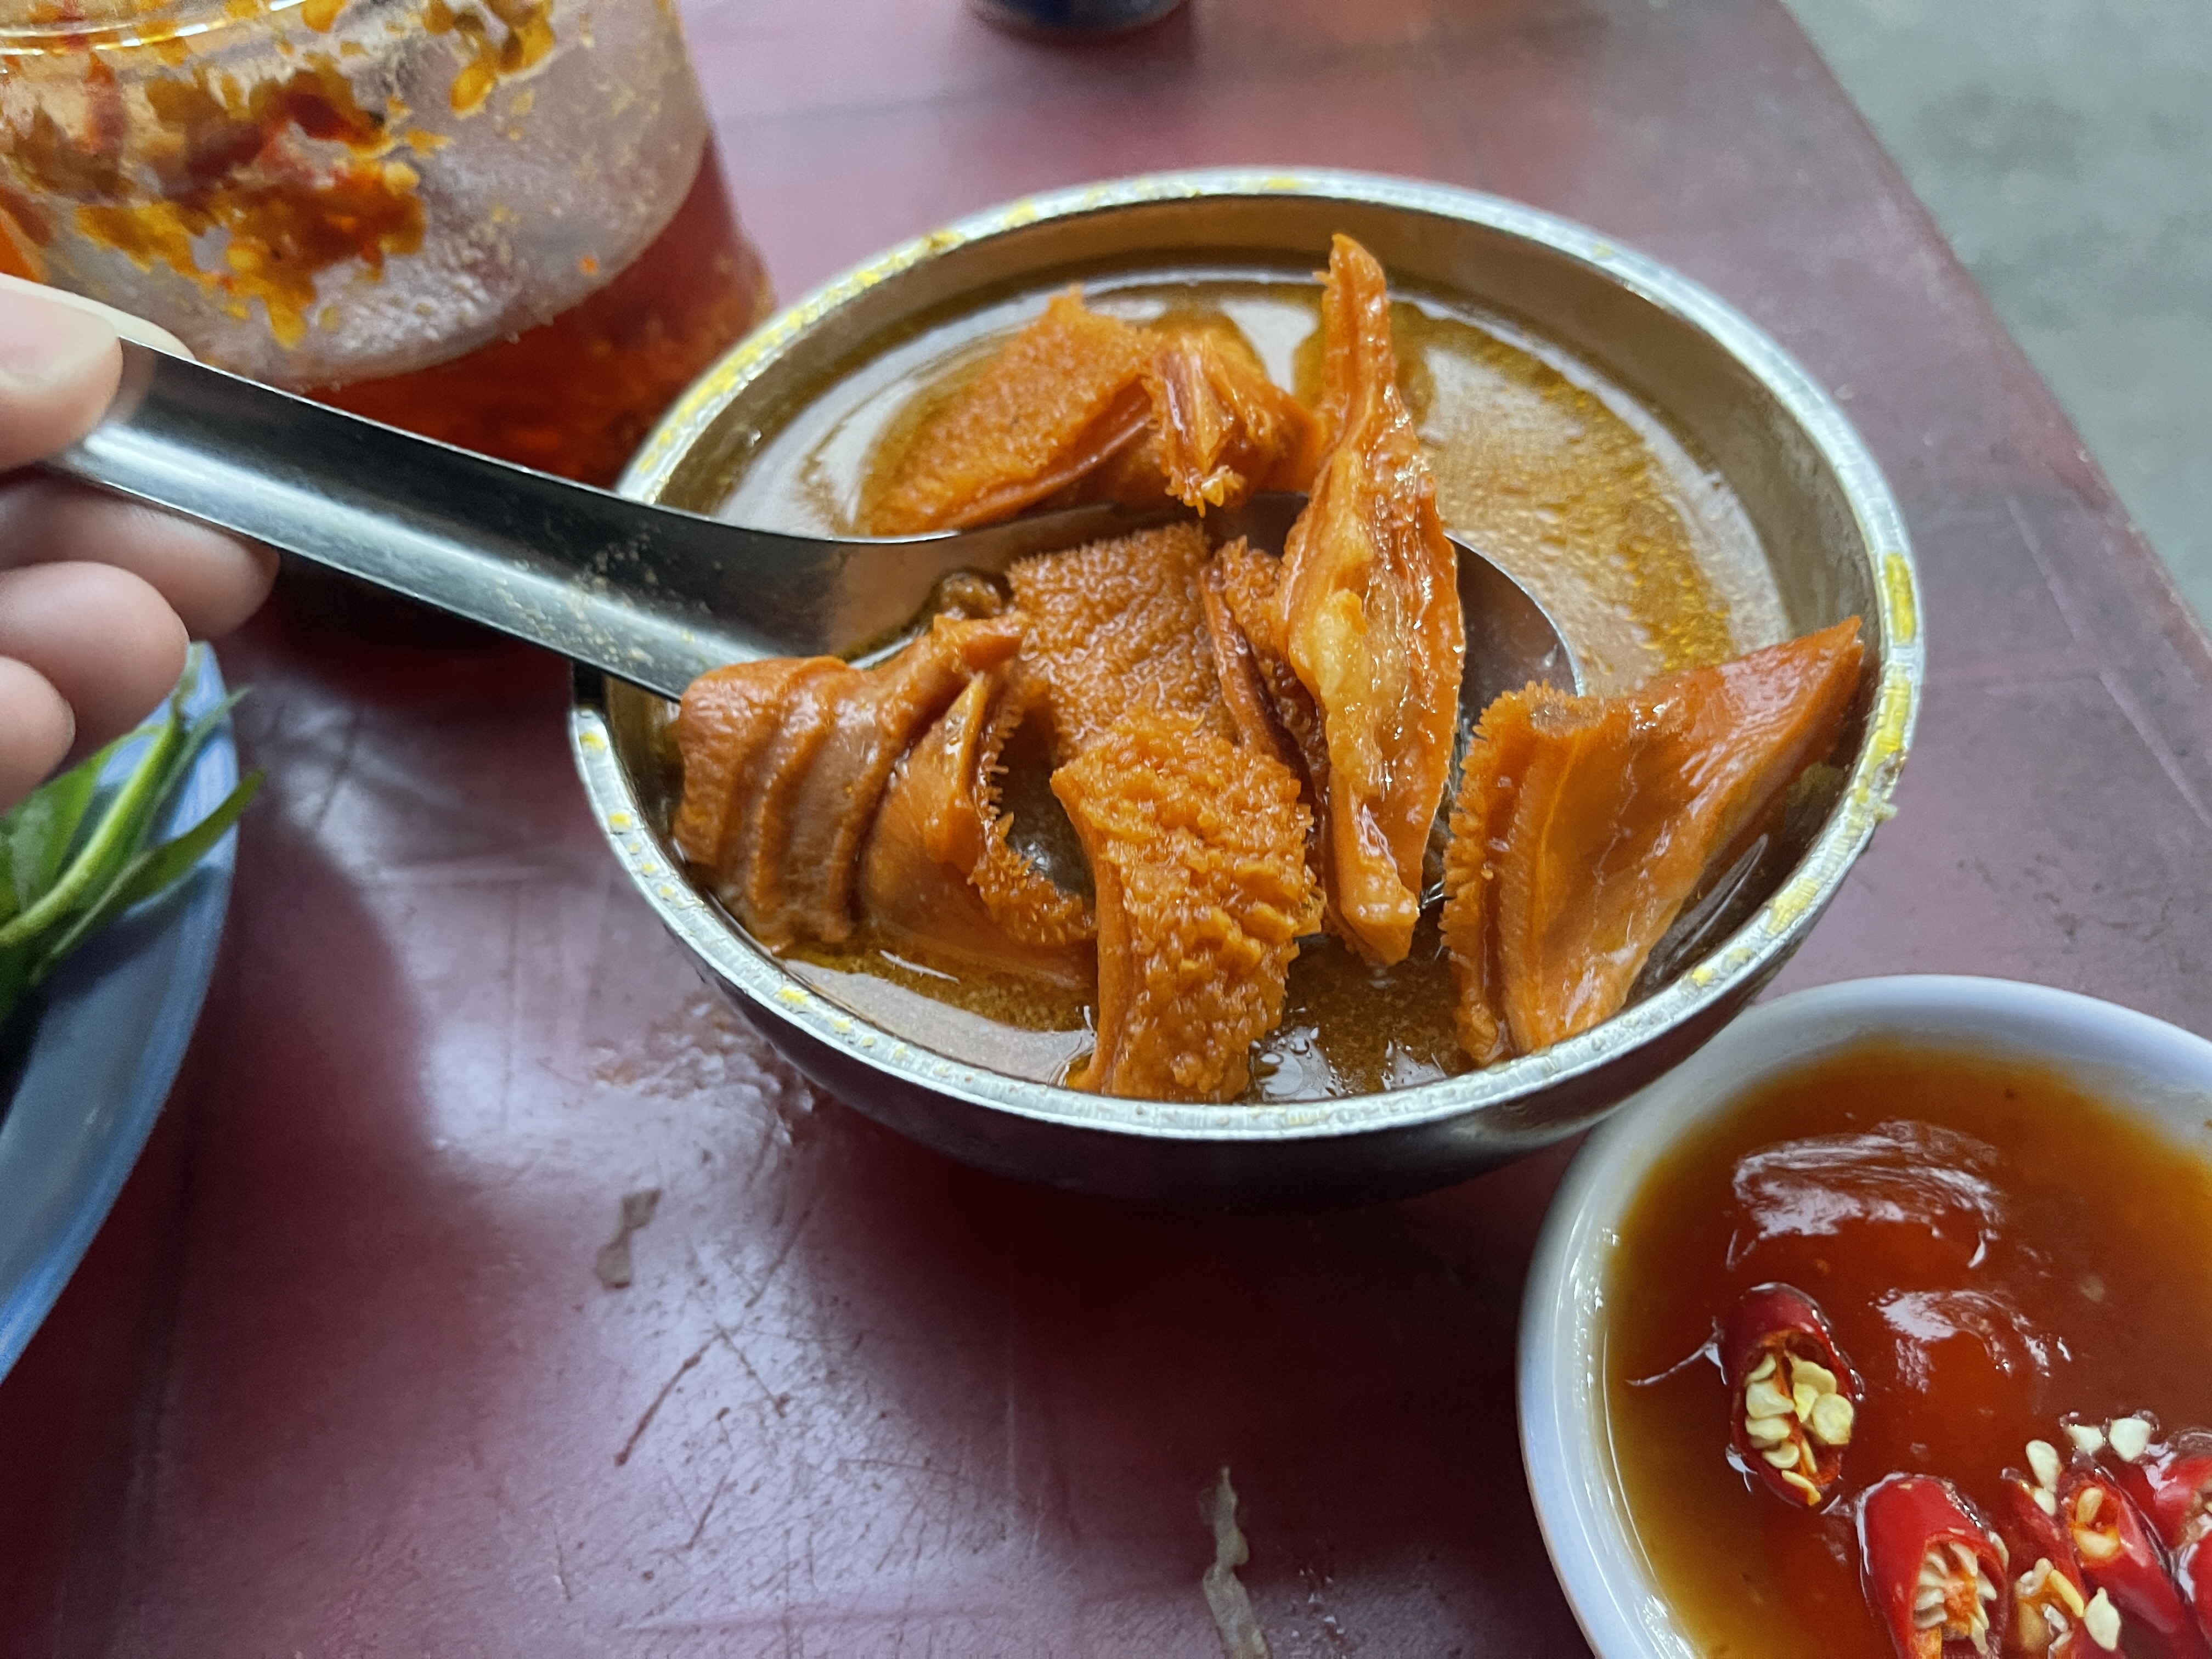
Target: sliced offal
1197	846
938	878
785	762
1080	406
1219	428
1115	624
1584	824
1368	609
1062	397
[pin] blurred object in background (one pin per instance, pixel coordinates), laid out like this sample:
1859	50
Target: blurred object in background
1071	17
2063	147
498	223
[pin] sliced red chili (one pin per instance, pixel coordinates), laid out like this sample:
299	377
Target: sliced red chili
1793	1397
2121	1557
2051	1594
2170	1482
1934	1571
2192	1571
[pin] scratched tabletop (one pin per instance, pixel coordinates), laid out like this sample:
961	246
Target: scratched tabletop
342	1376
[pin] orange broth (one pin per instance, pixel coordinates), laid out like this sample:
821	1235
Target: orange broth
2019	1251
1631	538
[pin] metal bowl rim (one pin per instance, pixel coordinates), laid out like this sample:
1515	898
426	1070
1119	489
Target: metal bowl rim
1771	932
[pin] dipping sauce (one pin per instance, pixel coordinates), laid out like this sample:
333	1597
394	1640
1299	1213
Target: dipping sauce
1994	1249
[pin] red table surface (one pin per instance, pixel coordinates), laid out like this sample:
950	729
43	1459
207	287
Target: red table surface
338	1378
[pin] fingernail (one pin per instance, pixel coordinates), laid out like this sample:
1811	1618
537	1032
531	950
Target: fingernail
46	346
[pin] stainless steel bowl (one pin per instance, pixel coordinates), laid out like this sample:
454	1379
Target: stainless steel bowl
1834	537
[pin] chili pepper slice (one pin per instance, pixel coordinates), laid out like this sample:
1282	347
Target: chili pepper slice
2053	1611
2192	1571
1793	1397
2171	1483
1933	1569
2121	1557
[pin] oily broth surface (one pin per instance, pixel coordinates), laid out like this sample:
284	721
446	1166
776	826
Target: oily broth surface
1640	550
2011	1249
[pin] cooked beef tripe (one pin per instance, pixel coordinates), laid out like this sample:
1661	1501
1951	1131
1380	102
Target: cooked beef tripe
1114	625
1078	406
1272	711
1114	786
1584	825
939	876
1367	605
785	762
1219	428
1268	705
1481	829
1060	399
1197	846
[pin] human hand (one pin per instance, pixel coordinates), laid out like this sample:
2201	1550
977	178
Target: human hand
99	596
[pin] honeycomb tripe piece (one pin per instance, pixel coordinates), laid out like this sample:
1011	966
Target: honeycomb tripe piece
1238	577
785	762
1272	711
1368	608
938	875
1584	824
1062	397
1117	624
1197	846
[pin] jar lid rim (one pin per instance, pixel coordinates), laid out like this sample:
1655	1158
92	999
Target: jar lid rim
30	27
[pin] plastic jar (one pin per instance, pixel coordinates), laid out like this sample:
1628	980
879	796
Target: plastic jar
498	222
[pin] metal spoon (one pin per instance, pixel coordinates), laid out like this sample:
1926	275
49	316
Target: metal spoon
650	594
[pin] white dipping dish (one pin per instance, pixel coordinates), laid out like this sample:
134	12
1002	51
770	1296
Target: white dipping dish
2133	1063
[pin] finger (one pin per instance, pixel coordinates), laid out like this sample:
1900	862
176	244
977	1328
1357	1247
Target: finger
36	730
211	580
130	327
59	370
105	639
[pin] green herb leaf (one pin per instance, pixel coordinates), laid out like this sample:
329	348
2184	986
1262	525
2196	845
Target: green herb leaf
147	874
73	857
196	738
174	860
115	838
38	831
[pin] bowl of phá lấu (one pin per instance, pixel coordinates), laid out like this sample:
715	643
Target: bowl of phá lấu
1878	1328
1164	870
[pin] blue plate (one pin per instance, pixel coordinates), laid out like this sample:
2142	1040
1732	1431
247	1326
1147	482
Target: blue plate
107	1046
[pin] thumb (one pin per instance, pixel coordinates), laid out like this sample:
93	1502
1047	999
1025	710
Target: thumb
58	370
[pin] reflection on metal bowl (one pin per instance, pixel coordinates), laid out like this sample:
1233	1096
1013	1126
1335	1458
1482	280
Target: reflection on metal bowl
1827	535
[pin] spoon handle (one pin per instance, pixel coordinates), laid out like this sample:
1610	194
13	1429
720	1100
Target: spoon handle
651	594
626	587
